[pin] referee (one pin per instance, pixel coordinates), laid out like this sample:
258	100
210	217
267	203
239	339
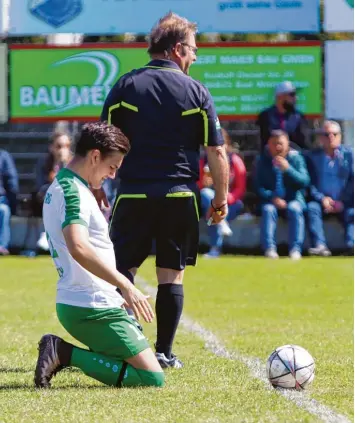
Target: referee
167	116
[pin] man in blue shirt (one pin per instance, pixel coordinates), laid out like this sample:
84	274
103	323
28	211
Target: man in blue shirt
167	116
8	193
332	188
284	115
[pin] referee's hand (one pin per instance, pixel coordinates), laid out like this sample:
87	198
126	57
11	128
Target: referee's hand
138	302
216	213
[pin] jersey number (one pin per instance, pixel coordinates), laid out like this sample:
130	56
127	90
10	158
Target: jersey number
54	254
139	334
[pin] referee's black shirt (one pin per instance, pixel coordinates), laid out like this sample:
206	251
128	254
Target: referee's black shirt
167	116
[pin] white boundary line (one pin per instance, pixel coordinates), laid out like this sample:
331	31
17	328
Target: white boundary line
255	365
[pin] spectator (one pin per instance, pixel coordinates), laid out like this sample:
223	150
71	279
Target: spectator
281	177
110	186
237	184
284	115
8	193
332	188
58	156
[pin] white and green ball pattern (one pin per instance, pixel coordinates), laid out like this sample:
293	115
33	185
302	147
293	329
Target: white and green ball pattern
290	367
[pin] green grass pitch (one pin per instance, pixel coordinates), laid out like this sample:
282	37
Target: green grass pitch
251	304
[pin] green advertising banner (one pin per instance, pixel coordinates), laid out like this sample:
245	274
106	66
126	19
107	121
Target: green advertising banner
50	83
3	83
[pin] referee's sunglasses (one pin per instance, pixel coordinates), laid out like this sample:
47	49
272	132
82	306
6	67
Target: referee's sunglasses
192	48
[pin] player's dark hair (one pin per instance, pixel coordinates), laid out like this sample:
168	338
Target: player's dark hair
103	137
169	30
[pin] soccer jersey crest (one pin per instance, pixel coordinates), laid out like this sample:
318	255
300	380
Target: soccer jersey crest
55	12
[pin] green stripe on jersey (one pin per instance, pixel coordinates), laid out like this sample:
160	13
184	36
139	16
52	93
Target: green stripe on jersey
65	179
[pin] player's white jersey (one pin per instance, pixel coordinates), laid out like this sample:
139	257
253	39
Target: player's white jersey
70	201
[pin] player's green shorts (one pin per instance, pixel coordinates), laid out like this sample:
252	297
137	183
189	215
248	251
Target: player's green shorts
108	331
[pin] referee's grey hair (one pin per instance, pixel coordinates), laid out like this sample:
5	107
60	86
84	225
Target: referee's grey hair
169	30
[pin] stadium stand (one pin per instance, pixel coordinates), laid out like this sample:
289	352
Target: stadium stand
28	142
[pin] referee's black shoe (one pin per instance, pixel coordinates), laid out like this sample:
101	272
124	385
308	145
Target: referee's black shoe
165	363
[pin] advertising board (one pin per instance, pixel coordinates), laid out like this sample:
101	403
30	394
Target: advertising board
72	83
31	17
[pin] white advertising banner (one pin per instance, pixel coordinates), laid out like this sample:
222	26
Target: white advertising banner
3	83
339	80
339	15
138	16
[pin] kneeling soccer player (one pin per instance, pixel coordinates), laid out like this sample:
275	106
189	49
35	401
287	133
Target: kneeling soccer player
88	305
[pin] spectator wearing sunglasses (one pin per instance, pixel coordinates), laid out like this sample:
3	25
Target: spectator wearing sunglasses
332	188
284	116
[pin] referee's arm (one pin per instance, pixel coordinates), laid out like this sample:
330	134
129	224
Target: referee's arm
216	156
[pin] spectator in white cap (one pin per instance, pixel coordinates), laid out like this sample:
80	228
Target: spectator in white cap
284	115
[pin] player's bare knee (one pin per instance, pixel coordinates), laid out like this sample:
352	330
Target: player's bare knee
146	361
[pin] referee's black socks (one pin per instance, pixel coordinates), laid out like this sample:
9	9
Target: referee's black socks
168	308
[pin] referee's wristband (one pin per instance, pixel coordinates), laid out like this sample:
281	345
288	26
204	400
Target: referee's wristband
218	210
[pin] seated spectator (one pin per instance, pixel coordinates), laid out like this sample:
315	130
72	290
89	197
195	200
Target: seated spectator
8	193
285	116
237	184
281	177
332	188
58	156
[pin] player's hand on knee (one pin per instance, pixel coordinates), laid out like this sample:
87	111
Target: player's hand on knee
138	302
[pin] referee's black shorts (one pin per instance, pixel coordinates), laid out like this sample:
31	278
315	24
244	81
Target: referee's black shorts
171	221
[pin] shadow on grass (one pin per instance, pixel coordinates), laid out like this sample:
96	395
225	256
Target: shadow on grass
28	387
28	370
15	370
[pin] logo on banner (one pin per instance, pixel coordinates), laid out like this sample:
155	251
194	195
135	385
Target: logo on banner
60	98
55	12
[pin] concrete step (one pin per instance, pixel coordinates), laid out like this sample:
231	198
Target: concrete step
246	233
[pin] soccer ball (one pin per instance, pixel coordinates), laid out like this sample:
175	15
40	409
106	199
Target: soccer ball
291	367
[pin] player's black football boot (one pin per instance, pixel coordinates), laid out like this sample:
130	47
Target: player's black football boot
48	363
